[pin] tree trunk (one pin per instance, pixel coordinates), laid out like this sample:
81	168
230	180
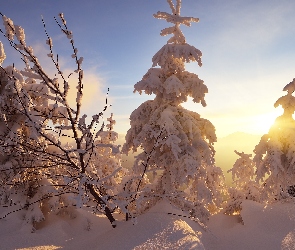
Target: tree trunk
101	202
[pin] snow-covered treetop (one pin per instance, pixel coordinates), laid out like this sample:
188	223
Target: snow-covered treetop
172	56
290	87
287	101
171	82
176	19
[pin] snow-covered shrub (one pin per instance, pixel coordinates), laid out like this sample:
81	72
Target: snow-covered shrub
39	172
275	153
244	185
23	172
178	158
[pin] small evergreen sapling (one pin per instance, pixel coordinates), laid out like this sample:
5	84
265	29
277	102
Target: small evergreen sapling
178	155
244	185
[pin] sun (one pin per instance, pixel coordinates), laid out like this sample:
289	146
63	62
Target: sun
261	123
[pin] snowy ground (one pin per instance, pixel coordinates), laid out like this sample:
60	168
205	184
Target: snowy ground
259	227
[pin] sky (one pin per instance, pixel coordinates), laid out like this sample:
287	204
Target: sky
248	53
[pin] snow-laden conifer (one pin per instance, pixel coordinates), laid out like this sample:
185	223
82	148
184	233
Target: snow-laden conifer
275	153
178	158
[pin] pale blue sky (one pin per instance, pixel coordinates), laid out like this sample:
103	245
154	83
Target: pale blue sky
248	52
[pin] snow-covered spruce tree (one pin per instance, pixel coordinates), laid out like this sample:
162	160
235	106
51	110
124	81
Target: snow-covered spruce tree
178	155
40	173
244	185
275	153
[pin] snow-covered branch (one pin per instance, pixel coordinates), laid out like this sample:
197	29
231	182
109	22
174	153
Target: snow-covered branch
47	146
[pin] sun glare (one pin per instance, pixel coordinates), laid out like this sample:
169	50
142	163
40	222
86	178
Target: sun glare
228	123
262	123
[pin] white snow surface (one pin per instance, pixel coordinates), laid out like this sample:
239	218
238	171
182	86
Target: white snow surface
258	227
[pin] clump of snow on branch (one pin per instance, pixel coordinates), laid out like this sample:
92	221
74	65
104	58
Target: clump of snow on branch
2	53
9	27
